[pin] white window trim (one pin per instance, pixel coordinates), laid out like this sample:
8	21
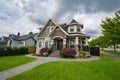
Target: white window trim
75	29
79	27
50	29
70	28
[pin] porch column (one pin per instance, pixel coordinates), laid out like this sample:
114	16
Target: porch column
64	43
76	44
81	47
51	45
86	41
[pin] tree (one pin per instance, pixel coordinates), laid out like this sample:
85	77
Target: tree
111	29
100	41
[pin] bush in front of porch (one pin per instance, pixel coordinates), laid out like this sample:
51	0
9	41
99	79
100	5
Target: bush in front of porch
67	53
44	52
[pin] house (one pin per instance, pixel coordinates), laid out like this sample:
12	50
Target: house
57	36
4	41
24	40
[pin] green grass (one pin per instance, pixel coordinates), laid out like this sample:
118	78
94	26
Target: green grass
104	69
112	52
8	62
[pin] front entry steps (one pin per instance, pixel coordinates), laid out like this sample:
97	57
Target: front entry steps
54	54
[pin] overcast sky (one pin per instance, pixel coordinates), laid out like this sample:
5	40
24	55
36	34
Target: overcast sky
27	15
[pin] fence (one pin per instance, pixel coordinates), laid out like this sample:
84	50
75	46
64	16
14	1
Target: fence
95	51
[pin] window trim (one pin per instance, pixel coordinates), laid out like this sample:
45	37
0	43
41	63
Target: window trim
50	29
40	44
71	28
79	29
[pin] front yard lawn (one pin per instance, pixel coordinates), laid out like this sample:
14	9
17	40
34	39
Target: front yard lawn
104	69
8	62
112	52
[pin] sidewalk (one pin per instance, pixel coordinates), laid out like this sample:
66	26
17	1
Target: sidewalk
111	55
40	60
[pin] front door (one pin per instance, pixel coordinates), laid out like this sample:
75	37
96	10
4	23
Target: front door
59	44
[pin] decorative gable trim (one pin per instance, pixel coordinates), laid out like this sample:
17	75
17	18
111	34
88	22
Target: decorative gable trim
56	28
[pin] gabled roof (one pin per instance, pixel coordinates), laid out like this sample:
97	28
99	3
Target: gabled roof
63	28
4	41
50	20
73	21
24	37
60	29
6	38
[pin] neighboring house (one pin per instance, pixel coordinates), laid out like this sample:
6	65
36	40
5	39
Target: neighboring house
61	36
4	41
24	40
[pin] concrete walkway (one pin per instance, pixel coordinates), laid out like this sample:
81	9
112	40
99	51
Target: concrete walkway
40	60
111	55
54	54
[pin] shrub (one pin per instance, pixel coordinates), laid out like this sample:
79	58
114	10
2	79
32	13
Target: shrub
22	50
45	54
44	50
31	49
11	51
68	52
83	54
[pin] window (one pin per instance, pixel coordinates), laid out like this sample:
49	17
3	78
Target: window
71	29
48	30
46	44
40	44
52	28
78	29
71	43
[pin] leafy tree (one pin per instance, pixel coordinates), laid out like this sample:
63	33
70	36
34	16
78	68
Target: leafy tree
111	29
100	41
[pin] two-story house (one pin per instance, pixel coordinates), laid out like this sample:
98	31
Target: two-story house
57	36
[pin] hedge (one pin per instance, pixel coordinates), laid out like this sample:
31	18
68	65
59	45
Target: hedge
11	51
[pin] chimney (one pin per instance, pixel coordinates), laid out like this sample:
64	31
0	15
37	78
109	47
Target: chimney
18	34
30	33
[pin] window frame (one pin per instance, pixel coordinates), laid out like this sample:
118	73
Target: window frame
78	27
40	44
72	30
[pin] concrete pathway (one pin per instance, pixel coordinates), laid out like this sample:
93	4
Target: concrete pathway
40	60
111	55
54	54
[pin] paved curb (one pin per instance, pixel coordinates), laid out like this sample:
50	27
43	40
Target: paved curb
40	60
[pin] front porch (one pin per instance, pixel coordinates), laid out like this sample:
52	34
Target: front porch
77	43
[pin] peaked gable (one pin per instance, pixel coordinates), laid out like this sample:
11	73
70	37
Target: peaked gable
58	31
43	32
73	21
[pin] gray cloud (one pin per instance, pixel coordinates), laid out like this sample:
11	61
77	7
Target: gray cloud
33	13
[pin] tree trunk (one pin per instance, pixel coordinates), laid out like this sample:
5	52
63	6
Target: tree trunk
114	48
